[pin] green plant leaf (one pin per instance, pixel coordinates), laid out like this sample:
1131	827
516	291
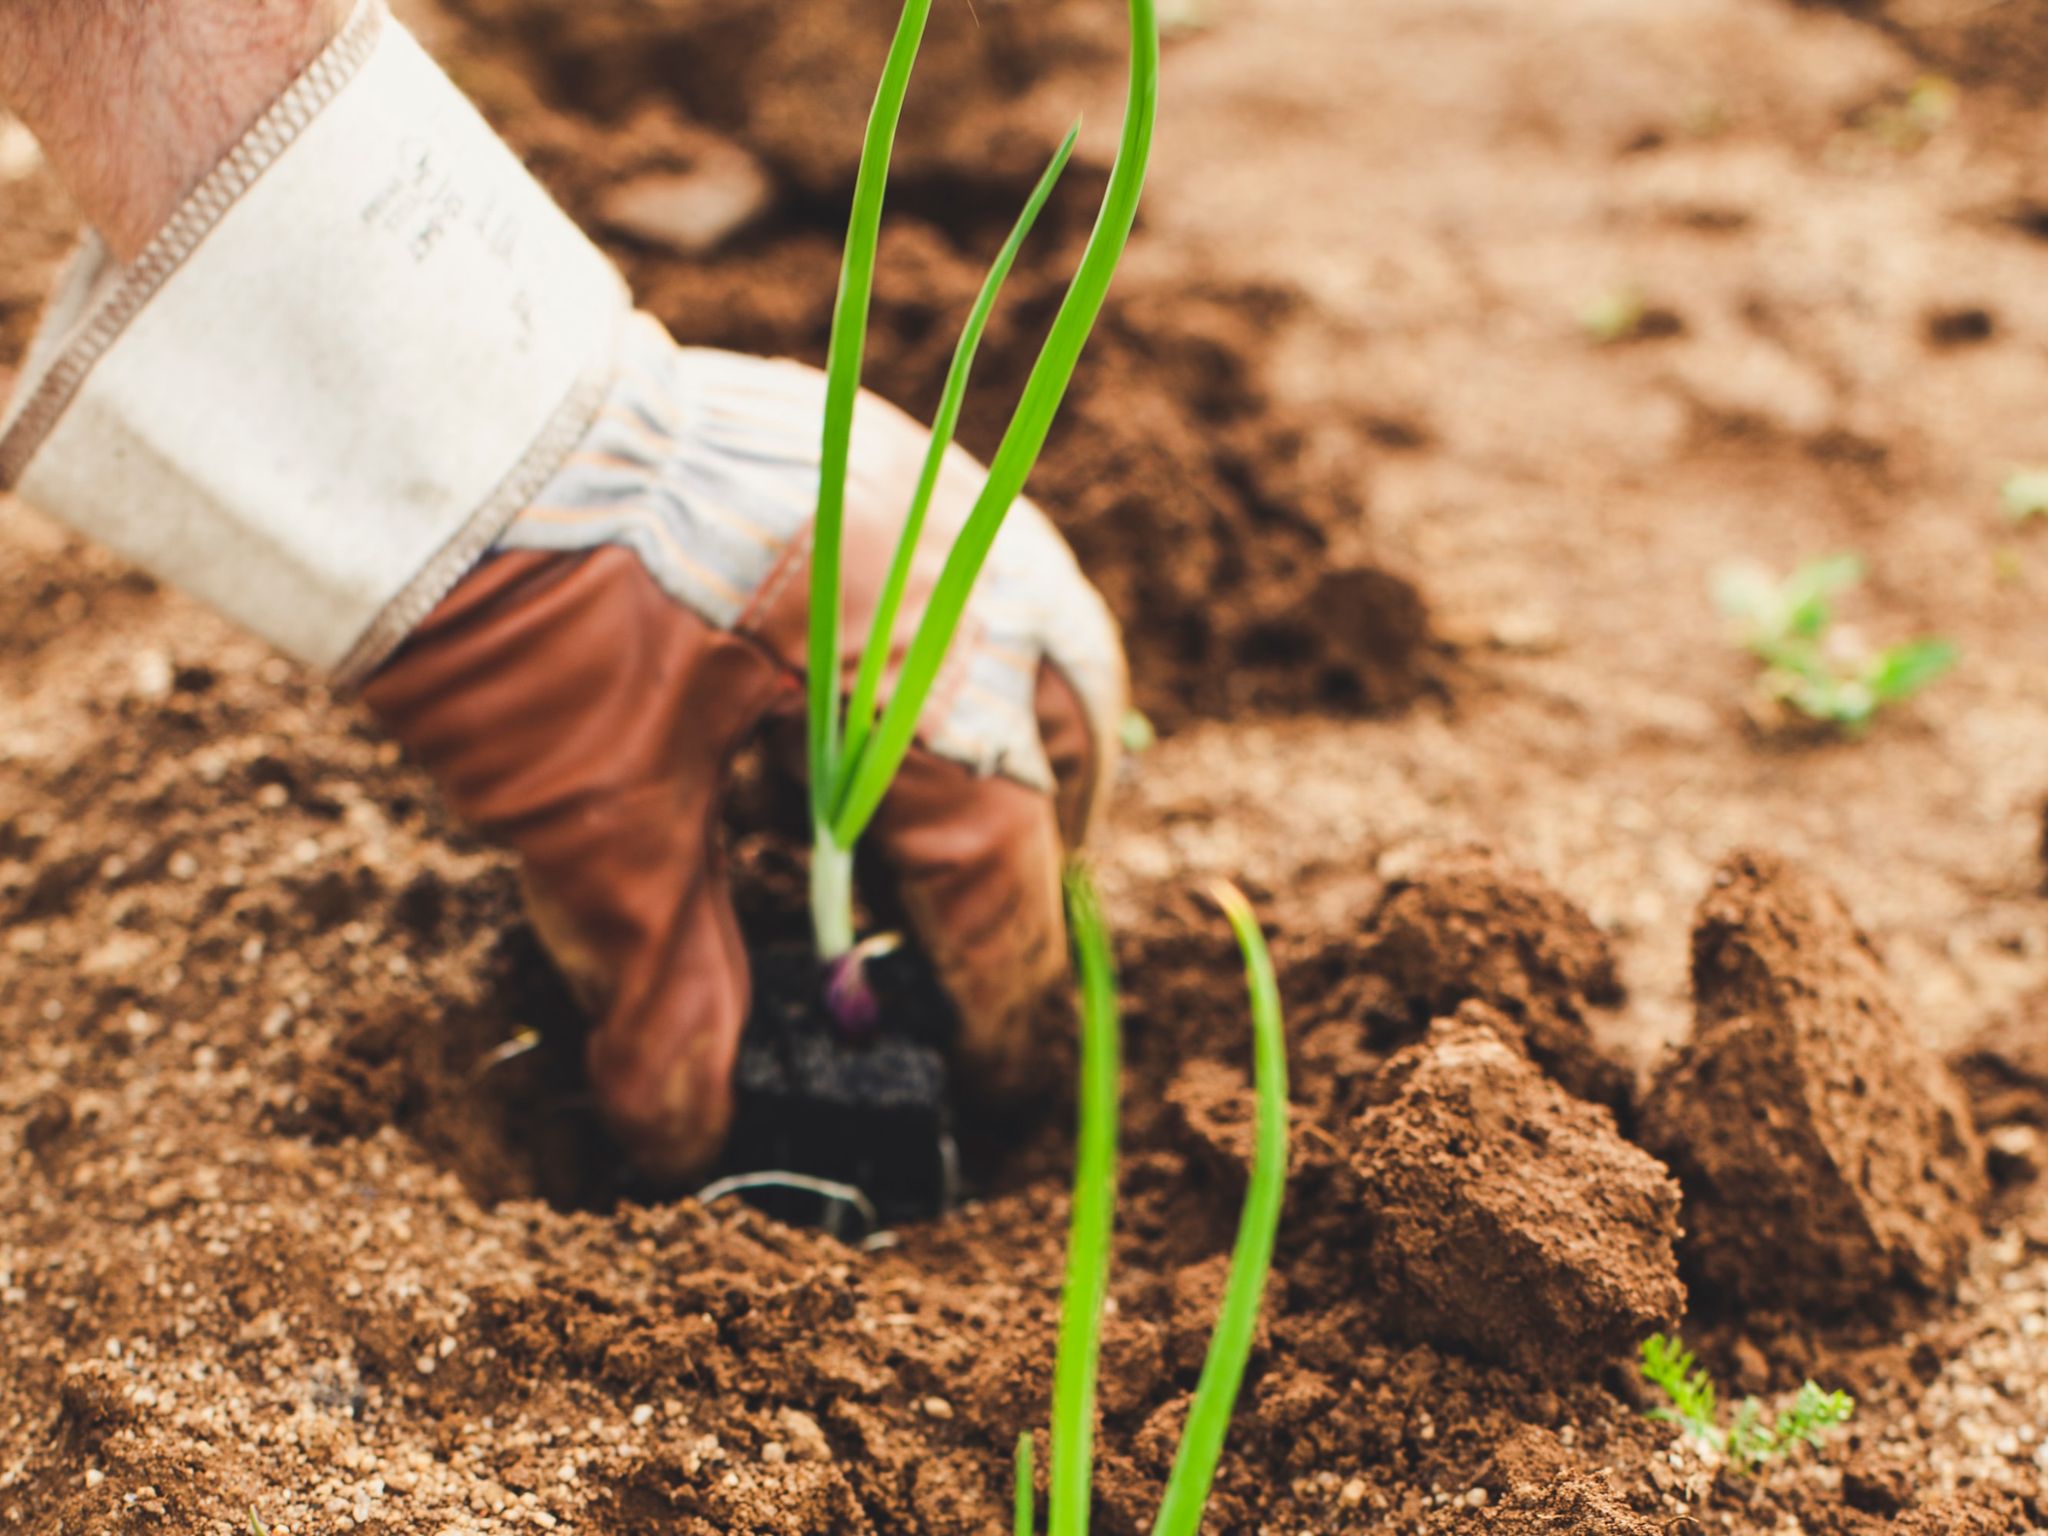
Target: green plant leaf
1668	1365
1137	733
1022	1520
1613	316
1089	1225
1230	1346
842	389
1903	670
1749	1440
874	659
2025	494
1823	675
883	754
1809	592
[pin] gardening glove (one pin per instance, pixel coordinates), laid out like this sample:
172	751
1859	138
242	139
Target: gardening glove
373	395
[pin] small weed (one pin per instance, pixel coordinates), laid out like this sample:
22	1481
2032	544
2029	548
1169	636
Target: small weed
1749	1440
1667	1364
1823	670
1908	123
256	1525
2025	495
1615	315
1137	733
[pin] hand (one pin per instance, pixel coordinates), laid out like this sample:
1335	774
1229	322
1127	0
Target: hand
582	695
582	689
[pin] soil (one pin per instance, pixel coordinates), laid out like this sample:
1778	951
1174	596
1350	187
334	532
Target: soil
857	1097
1829	1157
1411	563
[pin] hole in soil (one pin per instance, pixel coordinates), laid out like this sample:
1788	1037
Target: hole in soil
2030	218
1960	327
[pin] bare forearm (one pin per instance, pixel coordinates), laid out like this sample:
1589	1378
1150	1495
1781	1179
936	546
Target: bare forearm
134	101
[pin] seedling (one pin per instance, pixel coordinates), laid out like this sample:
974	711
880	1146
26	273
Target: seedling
1823	670
1749	1441
1615	315
2025	494
1087	1282
1909	123
1137	733
1626	314
855	753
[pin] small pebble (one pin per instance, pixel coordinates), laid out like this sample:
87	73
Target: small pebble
938	1408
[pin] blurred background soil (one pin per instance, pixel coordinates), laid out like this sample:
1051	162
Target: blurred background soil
1411	563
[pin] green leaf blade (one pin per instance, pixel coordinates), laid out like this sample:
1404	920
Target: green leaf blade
1093	1215
1903	670
842	389
874	660
1251	1260
1022	440
1024	1512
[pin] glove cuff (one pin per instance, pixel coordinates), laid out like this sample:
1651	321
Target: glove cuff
357	349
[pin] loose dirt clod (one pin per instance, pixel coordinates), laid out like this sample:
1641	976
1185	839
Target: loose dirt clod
1573	1505
1826	1156
1471	925
1506	1216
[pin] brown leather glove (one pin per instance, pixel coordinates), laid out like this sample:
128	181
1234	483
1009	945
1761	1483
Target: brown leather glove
576	711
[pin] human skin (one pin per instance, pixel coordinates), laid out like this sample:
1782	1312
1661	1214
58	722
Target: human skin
134	101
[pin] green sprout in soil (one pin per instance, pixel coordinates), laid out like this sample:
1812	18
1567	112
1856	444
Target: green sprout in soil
1625	313
854	755
1908	123
1748	1441
1088	1241
1137	733
1811	664
2025	495
1615	315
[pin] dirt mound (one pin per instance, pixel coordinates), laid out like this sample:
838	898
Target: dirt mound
1826	1156
1506	1216
1574	1505
1471	925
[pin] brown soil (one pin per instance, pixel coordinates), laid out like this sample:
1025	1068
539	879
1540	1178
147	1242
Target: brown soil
268	1238
1467	925
1827	1156
1480	1180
